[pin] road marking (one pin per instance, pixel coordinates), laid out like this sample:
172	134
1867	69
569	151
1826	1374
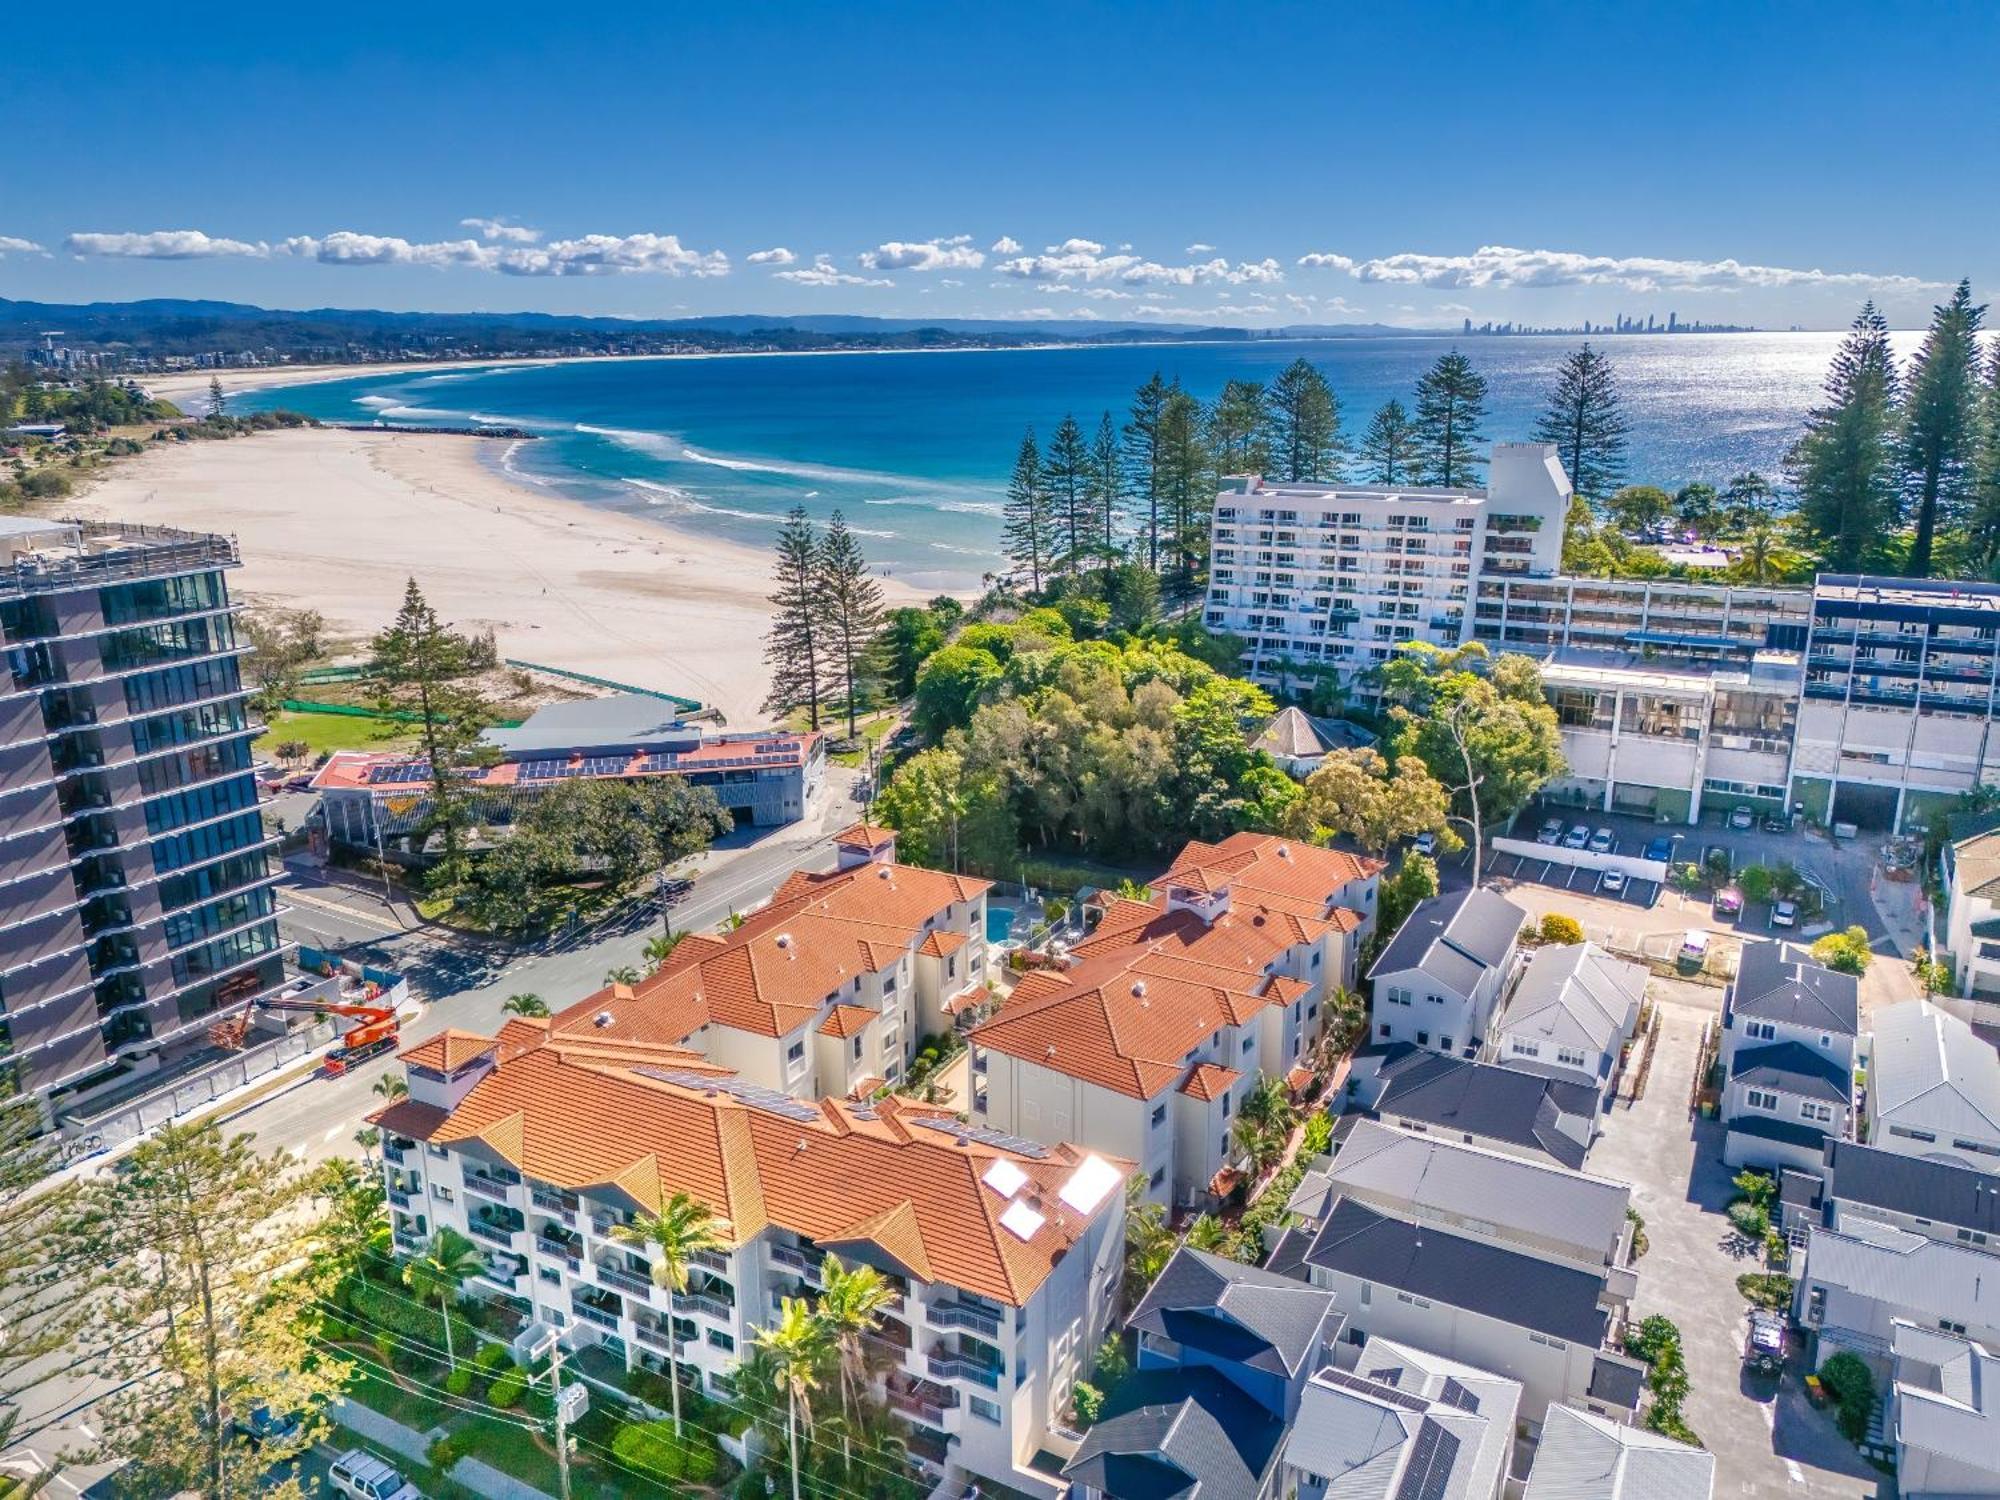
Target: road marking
333	1131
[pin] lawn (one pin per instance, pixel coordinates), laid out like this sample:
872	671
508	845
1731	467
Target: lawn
328	732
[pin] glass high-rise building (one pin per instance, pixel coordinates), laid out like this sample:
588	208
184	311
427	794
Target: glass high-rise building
136	884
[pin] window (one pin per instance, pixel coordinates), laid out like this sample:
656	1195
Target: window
1758	1099
857	1049
1246	1045
1569	1057
1225	1104
1399	997
1413	1301
986	1411
1159	1116
1760	1031
796	1051
1948	1326
1544	1339
1445	1043
1423	1039
1526	1048
1972	1236
717	1339
1821	1113
1914	1135
1382	1031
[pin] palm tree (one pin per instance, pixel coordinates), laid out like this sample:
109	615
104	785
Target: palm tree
530	1006
621	974
659	949
390	1087
1759	561
683	1228
440	1271
1212	1235
798	1348
1149	1243
1269	1106
850	1306
1258	1142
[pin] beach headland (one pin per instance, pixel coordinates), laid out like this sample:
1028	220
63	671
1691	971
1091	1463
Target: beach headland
336	521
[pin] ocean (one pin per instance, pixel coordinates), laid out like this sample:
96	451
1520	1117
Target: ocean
915	448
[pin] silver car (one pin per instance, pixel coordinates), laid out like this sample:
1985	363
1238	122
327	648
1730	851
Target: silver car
1577	837
1603	841
362	1475
1552	832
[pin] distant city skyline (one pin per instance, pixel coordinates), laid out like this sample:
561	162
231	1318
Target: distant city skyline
1089	164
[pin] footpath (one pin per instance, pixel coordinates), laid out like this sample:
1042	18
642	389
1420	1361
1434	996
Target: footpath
406	1442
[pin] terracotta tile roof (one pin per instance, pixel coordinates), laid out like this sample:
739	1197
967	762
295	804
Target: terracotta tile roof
1276	870
847	1020
846	1174
1208	1081
864	836
943	942
786	962
448	1051
406	1117
866	1086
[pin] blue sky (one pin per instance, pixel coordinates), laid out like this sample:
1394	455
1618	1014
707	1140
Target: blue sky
1254	164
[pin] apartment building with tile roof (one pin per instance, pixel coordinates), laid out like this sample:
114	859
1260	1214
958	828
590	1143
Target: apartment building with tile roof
1004	1256
831	985
1176	1007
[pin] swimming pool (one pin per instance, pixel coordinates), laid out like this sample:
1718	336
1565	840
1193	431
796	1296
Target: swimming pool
999	923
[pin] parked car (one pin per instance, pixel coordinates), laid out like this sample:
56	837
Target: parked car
1660	849
1785	914
1694	948
265	1426
1729	902
1577	837
1603	841
361	1474
1777	825
1743	817
1552	832
1612	882
1425	842
1764	1349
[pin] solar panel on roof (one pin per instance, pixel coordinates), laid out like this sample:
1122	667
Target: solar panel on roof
659	762
540	770
746	1093
1374	1389
1458	1396
1019	1145
396	775
1021	1221
1429	1475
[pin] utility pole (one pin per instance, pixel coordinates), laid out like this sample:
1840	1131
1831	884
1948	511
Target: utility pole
564	1398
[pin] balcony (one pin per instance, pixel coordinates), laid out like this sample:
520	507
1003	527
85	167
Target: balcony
708	1260
624	1280
493	1234
708	1307
554	1204
798	1259
566	1251
591	1313
957	1367
398	1197
395	1152
654	1337
409	1239
487	1187
971	1319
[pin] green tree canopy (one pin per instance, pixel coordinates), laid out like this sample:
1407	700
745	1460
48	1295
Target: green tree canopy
1451	404
1845	464
949	688
1586	421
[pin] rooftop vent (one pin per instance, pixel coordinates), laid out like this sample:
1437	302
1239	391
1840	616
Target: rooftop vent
784	940
1139	988
601	1020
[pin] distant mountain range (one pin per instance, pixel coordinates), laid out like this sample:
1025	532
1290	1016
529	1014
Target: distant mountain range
170	328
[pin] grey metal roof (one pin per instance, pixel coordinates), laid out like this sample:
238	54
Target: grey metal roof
1947	1397
1454	938
1576	995
1929	1070
1583	1456
633	721
1780	982
1939	1191
1432	1176
1616	1380
1235	1312
1181	1434
1906	1272
1429	1262
1486	1102
1771	1128
1793	1067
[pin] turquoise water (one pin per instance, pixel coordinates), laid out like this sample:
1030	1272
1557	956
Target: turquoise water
915	448
999	923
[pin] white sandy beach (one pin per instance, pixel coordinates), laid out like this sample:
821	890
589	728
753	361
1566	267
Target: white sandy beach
336	521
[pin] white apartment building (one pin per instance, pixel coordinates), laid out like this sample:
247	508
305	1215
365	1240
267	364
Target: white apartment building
1340	575
827	990
1005	1257
1175	1009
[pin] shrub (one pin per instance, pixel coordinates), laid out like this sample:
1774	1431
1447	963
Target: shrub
1847	1380
1639	1241
1750	1220
507	1389
1557	928
1318	1137
652	1448
385	1347
1844	952
1766	1289
491	1357
1089	1403
448	1450
458	1383
45	484
335	1330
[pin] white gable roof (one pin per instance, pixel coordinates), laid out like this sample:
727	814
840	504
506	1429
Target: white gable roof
1930	1071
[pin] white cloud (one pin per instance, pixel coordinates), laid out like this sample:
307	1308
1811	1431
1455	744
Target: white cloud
954	254
777	255
1198	248
162	244
1502	266
1006	245
1107	294
1079	260
344	247
949	281
500	229
14	245
1327	260
1234	315
823	272
598	254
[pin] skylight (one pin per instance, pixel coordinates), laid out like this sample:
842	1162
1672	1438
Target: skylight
1089	1183
1004	1177
1021	1221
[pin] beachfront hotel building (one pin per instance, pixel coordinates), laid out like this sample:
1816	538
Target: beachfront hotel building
138	888
1859	700
1004	1256
371	799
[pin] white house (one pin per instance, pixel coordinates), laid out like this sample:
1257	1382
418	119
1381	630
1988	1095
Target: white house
1933	1087
1859	1280
1971	870
1570	1014
1004	1257
1938	1199
1440	979
1404	1422
1585	1457
1789	1029
1944	1414
1176	1008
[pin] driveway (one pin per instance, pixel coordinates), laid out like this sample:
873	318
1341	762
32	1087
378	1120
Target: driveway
1767	1440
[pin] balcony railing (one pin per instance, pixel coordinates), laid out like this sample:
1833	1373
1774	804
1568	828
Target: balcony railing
409	1239
486	1187
398	1197
395	1153
491	1233
797	1259
710	1307
561	1250
708	1260
625	1281
591	1314
656	1338
958	1315
555	1208
916	1406
951	1367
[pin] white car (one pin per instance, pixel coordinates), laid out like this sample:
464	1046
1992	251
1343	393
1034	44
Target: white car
1425	842
1743	817
1603	841
1577	837
1785	914
1612	882
362	1475
1552	832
